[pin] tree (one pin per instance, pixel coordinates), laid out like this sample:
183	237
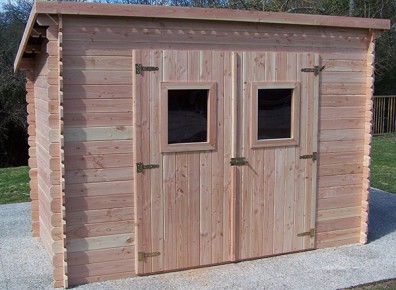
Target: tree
13	135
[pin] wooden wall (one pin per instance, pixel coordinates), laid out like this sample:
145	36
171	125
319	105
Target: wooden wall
48	153
98	161
31	120
97	74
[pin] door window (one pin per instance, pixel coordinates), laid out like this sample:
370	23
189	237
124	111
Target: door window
275	114
188	116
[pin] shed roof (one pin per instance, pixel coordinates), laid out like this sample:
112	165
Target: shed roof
172	12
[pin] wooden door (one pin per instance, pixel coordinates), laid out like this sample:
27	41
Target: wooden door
182	205
276	189
192	207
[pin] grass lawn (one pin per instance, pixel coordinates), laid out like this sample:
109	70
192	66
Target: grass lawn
383	165
14	184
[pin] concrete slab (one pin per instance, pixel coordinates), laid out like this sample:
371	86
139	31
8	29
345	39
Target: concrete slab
24	263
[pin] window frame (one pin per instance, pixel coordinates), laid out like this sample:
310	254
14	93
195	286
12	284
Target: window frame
210	144
295	115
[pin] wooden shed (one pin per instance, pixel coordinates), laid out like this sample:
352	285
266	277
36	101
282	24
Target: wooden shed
167	138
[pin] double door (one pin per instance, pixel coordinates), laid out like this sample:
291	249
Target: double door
224	147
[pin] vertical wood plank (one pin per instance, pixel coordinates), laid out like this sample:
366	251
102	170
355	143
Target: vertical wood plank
218	161
137	149
194	179
205	179
169	177
157	214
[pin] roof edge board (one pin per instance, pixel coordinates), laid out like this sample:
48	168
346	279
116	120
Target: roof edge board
25	36
174	12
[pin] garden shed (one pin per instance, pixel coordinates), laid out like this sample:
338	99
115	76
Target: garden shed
167	138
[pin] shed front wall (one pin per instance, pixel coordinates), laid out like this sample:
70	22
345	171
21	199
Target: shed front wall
97	79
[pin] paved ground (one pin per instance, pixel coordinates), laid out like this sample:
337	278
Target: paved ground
25	265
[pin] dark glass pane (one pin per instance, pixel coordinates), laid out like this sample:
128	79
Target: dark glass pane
274	113
187	116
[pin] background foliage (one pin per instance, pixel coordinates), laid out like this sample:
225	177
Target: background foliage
14	14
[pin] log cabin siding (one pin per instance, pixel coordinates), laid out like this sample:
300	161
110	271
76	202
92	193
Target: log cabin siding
98	164
97	60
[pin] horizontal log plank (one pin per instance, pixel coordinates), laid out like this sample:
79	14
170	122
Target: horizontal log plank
338	235
339	243
99	229
341	65
85	280
103	268
93	77
337	191
117	63
336	169
103	255
97	91
98	161
98	147
99	216
99	175
98	189
95	243
339	224
338	202
341	112
72	119
97	105
334	124
340	77
342	101
99	202
340	157
339	180
337	213
341	135
342	88
72	134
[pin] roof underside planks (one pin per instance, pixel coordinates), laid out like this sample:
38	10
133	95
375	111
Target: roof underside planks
208	14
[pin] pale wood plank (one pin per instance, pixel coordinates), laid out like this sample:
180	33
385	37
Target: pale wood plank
99	216
98	161
103	242
99	175
99	188
99	229
339	201
98	202
98	147
80	134
336	213
102	268
101	255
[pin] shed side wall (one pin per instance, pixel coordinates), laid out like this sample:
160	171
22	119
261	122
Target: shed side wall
46	88
32	162
98	120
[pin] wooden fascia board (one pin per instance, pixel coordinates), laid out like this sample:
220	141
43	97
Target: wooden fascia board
25	37
172	12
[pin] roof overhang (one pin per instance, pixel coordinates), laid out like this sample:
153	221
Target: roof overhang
172	12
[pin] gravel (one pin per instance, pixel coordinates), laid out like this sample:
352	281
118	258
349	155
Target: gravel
24	263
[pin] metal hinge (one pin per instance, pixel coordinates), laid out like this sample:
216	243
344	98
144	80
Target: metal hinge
238	161
142	255
316	69
313	156
139	68
311	233
140	167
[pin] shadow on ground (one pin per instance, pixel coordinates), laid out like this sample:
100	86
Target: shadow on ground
382	217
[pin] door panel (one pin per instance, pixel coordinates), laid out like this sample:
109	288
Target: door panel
195	209
183	207
277	189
